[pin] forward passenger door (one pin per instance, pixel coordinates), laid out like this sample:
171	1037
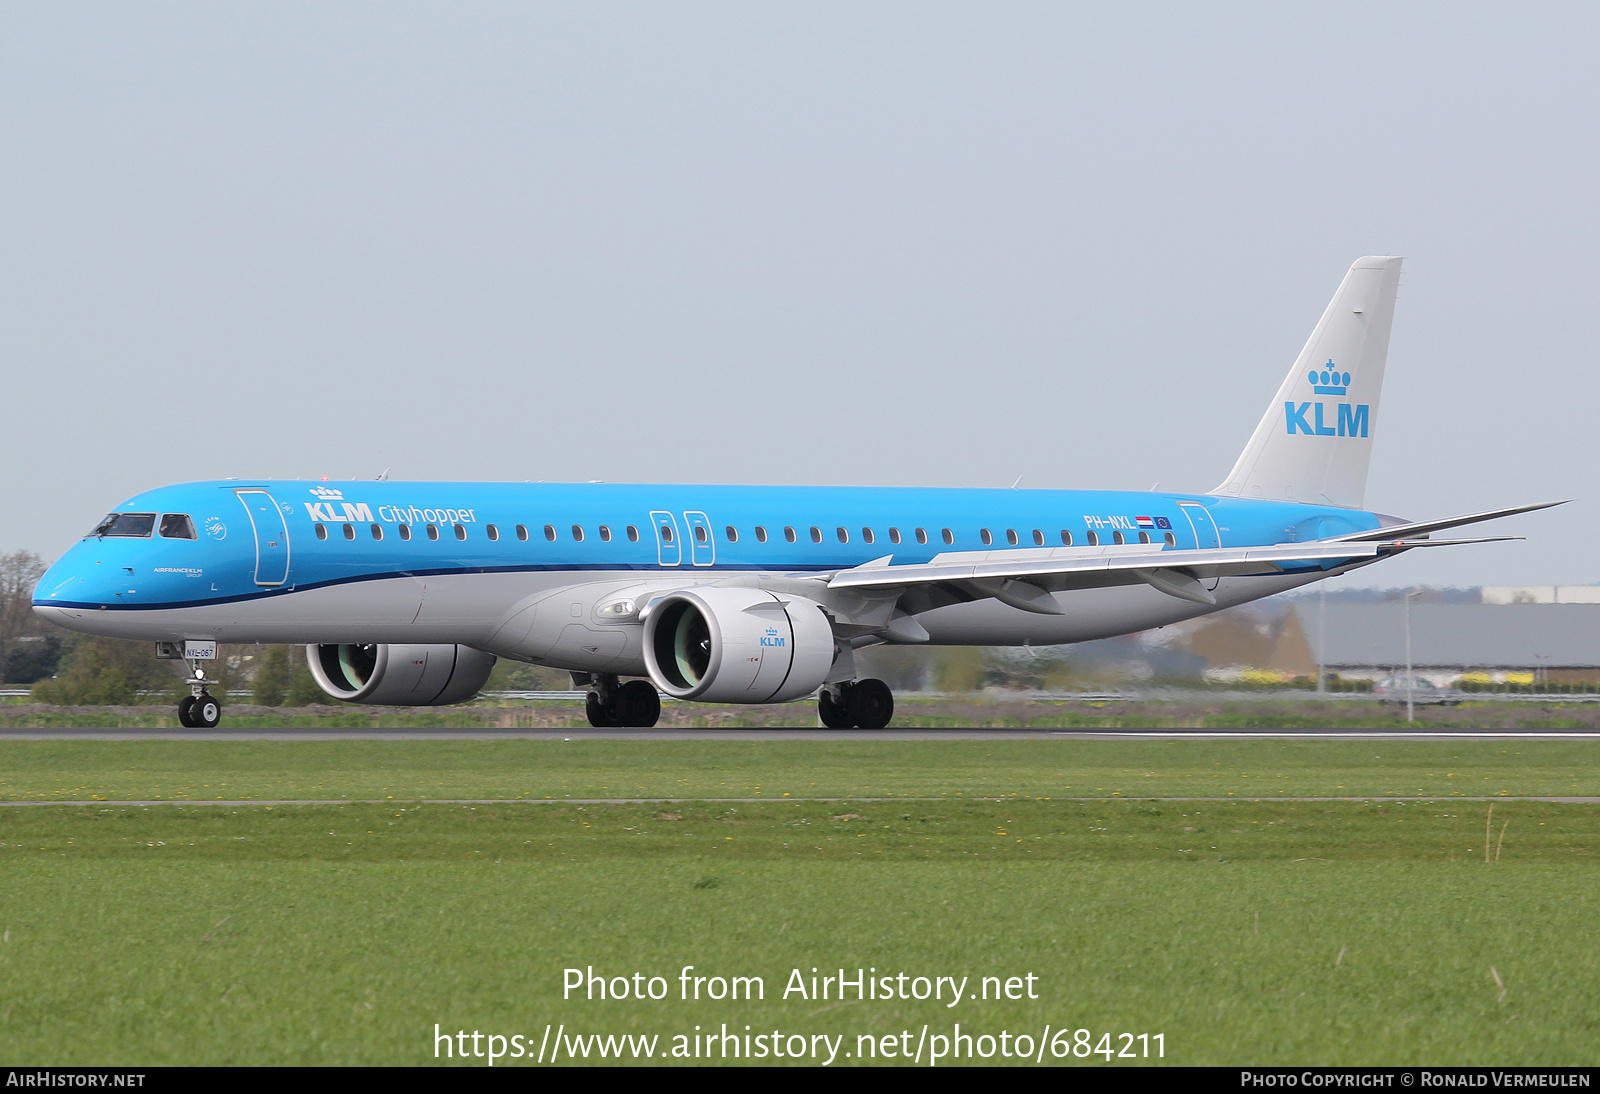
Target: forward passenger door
272	536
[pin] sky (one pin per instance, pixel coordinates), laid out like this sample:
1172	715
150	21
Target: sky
898	244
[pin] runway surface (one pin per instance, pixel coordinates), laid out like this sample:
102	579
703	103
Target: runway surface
108	802
794	734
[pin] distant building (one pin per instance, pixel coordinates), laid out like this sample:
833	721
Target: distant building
1510	640
1249	646
1541	594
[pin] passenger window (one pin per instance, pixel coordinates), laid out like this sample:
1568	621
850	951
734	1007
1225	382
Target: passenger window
922	535
550	532
732	533
605	533
1144	537
788	533
405	531
1116	537
949	536
894	535
322	531
983	534
666	533
816	534
866	535
761	534
844	536
377	532
577	533
1094	539
177	526
493	533
699	533
461	531
522	532
349	531
433	531
1066	538
1038	538
1172	540
1011	536
633	534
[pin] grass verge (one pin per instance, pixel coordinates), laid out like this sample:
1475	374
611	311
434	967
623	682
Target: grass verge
1243	932
177	770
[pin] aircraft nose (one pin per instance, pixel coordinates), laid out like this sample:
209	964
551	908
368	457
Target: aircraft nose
59	616
75	581
71	595
59	583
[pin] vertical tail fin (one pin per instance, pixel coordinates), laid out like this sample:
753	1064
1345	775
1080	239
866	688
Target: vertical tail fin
1315	441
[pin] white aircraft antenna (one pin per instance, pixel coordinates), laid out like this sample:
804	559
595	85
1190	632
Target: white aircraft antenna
385	476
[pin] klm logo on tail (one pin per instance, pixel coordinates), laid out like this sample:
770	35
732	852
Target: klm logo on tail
1351	421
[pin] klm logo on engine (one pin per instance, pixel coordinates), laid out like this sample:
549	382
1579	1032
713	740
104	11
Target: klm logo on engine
1349	421
771	638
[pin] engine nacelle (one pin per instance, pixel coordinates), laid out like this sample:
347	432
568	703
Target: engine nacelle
729	645
400	676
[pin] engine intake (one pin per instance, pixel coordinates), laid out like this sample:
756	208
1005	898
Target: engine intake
727	645
401	676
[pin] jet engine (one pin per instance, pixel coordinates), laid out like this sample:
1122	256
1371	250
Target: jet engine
402	676
729	645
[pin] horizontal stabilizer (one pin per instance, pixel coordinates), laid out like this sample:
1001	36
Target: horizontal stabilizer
1422	528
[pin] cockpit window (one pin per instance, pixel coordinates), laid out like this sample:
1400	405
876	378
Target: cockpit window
138	525
177	526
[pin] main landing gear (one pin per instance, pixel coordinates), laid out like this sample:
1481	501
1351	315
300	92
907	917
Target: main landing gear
198	710
634	705
865	704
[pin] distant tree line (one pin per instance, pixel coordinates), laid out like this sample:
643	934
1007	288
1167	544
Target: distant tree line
30	648
114	672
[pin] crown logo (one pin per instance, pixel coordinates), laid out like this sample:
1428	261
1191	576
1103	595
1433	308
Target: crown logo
327	494
1329	380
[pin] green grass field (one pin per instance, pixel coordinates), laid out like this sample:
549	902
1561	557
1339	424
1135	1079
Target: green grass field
1243	931
74	770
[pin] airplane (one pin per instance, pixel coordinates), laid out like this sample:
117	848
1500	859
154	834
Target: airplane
406	593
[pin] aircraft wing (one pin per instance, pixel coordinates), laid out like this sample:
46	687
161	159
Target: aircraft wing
1006	574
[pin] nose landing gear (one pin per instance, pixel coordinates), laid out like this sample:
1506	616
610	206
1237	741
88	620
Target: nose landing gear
865	704
199	710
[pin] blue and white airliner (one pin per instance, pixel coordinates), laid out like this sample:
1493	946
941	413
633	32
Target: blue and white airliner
407	592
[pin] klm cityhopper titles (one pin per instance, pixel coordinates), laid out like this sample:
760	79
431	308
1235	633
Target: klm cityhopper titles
405	593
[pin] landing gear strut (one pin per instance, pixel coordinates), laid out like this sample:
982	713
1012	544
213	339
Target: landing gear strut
867	704
198	710
633	705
